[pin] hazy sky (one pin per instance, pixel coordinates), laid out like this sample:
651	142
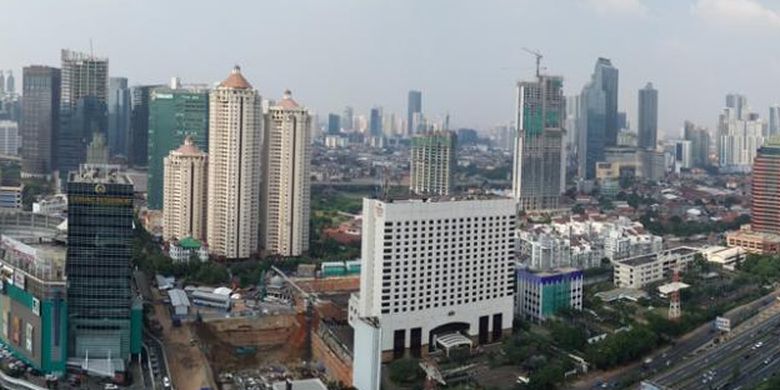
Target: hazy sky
464	55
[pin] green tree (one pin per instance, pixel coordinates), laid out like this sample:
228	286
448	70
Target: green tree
406	371
568	337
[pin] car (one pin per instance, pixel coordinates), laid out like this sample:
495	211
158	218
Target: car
767	360
110	386
166	383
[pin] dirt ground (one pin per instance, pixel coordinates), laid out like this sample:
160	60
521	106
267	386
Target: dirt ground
276	341
187	365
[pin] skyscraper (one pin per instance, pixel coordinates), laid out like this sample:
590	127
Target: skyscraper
740	134
9	138
700	144
286	179
766	189
572	125
334	124
478	306
175	112
414	106
648	117
607	75
100	234
83	108
10	83
186	177
97	150
139	124
622	121
599	117
375	122
235	136
536	175
347	122
738	103
40	118
2	83
683	155
119	112
433	163
774	120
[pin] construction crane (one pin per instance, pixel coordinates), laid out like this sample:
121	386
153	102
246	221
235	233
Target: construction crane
538	56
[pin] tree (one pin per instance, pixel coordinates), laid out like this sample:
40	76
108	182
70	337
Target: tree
568	337
546	378
622	347
406	371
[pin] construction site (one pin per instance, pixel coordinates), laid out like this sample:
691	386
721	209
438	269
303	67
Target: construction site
286	327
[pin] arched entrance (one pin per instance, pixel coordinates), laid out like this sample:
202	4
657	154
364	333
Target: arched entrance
448	329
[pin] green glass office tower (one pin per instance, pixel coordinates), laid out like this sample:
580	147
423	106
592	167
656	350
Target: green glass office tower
98	264
174	113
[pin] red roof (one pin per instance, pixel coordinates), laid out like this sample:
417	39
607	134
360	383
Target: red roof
189	148
287	101
236	80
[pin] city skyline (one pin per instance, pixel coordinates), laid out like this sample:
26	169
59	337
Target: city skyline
437	52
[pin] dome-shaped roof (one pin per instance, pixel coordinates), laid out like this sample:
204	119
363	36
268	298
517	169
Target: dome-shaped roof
287	101
236	80
276	281
189	147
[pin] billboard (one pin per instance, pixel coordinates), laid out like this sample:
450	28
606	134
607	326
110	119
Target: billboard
723	324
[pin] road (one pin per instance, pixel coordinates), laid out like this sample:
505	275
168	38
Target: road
157	359
679	352
154	362
742	360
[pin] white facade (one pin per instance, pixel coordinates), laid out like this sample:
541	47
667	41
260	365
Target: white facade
726	257
739	136
235	139
9	138
583	244
367	361
52	205
286	179
637	272
683	155
429	264
184	192
432	163
180	254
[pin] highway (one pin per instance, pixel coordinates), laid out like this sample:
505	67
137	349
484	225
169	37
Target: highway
681	351
742	360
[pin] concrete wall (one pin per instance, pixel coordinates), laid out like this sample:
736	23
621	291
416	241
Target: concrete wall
338	369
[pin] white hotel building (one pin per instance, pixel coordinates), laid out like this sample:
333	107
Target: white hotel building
432	269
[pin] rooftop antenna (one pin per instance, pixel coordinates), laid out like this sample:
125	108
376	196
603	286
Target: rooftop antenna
538	56
91	52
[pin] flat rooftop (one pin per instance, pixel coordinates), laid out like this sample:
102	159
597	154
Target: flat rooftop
683	250
416	198
639	260
99	173
758	236
631	294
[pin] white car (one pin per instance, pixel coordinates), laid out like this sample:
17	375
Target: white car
166	383
111	386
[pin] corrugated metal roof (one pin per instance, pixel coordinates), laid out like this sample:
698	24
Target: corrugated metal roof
178	297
